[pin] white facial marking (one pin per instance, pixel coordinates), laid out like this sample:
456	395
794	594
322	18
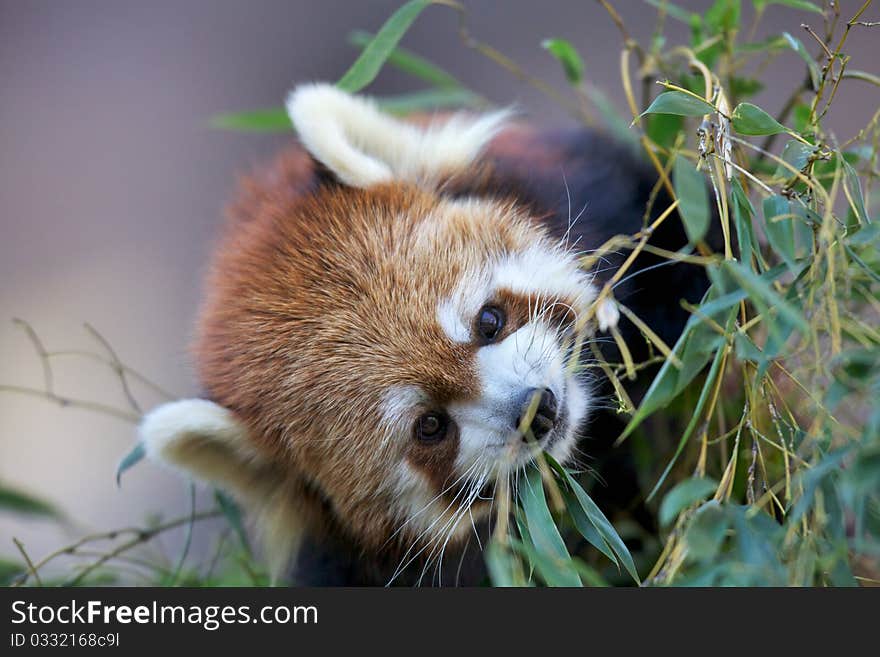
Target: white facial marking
416	504
397	409
456	314
533	357
547	272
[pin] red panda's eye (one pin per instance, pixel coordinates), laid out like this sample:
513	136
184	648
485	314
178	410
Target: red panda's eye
490	321
431	427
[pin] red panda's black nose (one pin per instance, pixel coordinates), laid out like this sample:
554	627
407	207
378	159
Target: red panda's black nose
546	412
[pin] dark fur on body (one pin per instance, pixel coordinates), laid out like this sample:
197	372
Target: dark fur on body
559	176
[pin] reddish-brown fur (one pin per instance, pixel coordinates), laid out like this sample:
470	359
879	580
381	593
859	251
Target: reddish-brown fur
321	298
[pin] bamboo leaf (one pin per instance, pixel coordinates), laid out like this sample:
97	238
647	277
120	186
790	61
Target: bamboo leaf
785	223
796	154
695	347
677	102
794	4
585	527
429	99
552	571
129	460
22	503
706	531
10	570
683	495
760	290
274	119
566	55
673	11
542	529
743	211
367	66
411	63
797	45
603	526
502	565
723	15
690	189
695	416
854	192
748	119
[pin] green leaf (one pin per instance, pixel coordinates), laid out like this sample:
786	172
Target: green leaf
683	495
678	102
612	115
693	197
553	571
797	45
706	531
429	99
743	211
866	235
854	192
674	11
274	119
408	62
129	460
696	415
503	565
542	530
770	44
794	4
26	504
603	526
748	119
796	154
801	117
809	480
746	349
663	129
566	55
587	573
723	15
585	527
784	224
10	570
745	87
695	347
762	292
367	66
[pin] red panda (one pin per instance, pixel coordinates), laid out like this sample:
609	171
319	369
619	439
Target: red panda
388	302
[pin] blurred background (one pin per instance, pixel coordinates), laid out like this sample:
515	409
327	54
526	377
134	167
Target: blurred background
112	185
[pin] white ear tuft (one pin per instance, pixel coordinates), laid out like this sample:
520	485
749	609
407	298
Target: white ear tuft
198	437
205	441
365	147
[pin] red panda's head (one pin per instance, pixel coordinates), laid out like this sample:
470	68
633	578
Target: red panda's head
376	345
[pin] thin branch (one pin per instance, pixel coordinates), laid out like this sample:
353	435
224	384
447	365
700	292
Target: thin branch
27	560
141	535
117	366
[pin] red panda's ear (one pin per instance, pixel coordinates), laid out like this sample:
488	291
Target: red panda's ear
363	146
205	441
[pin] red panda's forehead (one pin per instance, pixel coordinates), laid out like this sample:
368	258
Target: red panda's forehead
320	307
404	261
